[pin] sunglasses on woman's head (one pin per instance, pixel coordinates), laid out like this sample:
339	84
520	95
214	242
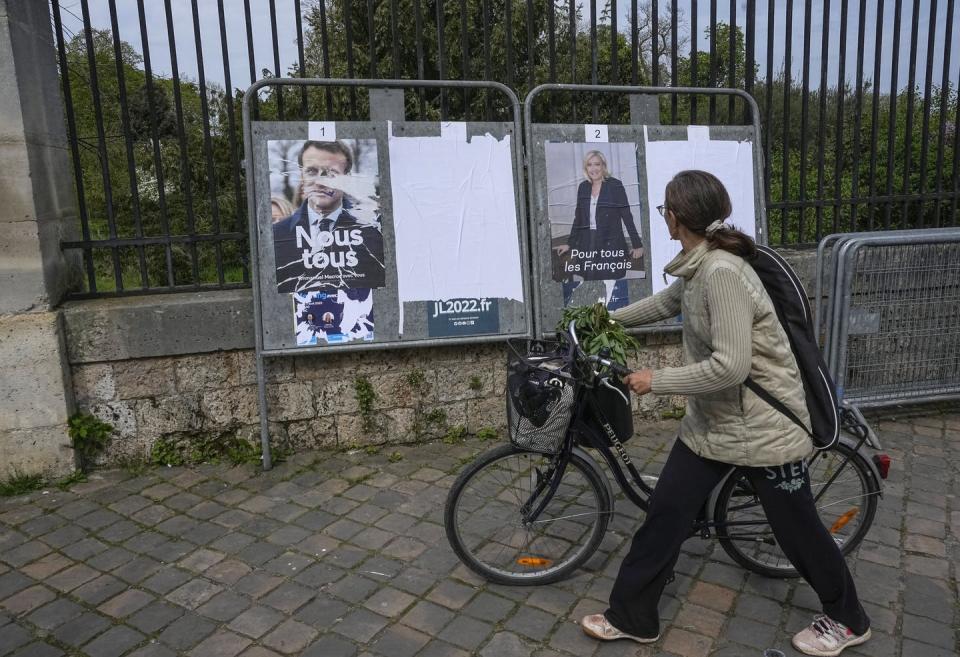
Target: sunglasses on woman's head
662	209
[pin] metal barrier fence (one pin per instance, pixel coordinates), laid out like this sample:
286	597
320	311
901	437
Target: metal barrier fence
859	125
891	321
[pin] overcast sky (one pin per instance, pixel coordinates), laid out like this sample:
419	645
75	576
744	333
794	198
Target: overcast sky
182	20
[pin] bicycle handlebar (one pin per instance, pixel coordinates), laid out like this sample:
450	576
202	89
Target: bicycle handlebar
614	367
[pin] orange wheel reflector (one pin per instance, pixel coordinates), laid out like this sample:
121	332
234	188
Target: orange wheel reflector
843	520
534	561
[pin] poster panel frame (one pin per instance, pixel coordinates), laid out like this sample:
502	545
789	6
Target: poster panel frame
573	131
254	173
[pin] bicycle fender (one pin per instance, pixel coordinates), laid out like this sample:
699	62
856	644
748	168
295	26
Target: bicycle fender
845	438
582	453
851	442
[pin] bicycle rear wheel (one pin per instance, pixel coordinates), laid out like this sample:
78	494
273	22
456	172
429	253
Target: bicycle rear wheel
485	527
847	508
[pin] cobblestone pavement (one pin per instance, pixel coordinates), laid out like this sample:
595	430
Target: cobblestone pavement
335	554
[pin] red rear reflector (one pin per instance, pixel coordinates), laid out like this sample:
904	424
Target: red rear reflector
843	520
882	461
534	561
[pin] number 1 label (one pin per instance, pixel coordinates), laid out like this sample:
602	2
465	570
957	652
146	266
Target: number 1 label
322	131
595	133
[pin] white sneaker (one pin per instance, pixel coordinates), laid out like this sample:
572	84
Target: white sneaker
597	626
827	638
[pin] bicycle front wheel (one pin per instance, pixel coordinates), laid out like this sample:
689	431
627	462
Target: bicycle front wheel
847	505
485	522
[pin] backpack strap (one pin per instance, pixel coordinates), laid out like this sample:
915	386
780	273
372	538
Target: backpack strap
762	393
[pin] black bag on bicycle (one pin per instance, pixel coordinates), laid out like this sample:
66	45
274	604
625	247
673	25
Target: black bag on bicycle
540	399
616	412
793	309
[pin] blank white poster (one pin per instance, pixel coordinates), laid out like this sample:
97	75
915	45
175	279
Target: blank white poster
730	161
455	218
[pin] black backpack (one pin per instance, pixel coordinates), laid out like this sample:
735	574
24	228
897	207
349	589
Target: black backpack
790	301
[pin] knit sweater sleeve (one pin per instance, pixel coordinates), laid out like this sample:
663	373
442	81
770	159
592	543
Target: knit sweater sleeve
730	310
662	305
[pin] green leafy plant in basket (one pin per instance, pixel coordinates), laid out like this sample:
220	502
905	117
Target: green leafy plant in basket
596	331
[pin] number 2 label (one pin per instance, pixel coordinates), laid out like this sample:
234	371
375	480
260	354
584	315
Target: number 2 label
596	133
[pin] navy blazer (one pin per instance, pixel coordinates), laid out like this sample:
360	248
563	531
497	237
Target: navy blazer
613	214
287	254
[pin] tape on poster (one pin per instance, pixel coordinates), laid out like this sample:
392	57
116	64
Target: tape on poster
697	132
456	130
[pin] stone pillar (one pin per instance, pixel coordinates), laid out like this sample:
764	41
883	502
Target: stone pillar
37	210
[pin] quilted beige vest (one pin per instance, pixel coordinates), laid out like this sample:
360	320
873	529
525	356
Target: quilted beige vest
734	425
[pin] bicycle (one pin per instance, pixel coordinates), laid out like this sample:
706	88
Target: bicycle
532	513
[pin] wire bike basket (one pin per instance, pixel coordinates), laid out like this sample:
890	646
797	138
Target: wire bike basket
540	396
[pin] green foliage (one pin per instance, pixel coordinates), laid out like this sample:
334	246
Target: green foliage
371	450
88	437
475	383
674	413
416	379
455	434
76	477
242	452
19	483
487	433
596	331
366	397
823	155
167	451
196	197
395	457
198	447
437	416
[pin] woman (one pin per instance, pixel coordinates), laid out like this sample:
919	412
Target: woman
602	213
730	331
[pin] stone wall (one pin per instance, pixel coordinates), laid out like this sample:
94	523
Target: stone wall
150	366
161	367
420	394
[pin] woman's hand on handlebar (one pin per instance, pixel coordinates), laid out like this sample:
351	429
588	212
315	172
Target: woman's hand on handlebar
639	382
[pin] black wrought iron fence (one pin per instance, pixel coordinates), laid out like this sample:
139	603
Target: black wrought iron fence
151	92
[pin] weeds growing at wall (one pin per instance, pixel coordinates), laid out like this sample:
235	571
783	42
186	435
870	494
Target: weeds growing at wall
20	483
199	447
88	437
366	397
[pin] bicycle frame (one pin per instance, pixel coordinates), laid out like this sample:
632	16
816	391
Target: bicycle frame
600	434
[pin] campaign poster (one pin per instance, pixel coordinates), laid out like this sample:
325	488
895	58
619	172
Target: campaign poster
325	214
460	317
334	317
593	206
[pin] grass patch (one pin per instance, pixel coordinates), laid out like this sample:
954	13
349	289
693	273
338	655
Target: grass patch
455	434
674	413
20	483
198	447
77	477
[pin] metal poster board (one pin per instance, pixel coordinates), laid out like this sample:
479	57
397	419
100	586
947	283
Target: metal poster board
384	234
612	246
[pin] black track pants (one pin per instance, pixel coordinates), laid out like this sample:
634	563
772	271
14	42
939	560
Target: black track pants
684	485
